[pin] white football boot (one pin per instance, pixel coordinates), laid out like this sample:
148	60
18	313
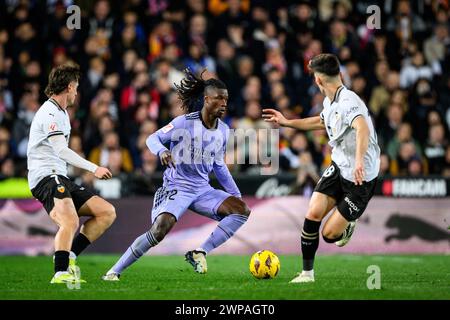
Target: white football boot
304	277
111	276
197	258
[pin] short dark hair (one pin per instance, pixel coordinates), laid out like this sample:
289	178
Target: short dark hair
60	77
325	63
192	88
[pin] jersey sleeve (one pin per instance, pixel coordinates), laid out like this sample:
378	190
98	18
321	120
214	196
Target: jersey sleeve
352	110
221	171
52	123
220	155
156	141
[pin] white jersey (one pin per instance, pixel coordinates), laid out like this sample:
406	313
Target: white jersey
338	116
50	120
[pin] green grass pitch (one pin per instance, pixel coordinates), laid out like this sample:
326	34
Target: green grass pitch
158	277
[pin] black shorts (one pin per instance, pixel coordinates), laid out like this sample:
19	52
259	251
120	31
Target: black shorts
351	199
60	187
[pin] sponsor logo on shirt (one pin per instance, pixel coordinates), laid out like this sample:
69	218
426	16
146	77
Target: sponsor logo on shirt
53	127
352	110
167	128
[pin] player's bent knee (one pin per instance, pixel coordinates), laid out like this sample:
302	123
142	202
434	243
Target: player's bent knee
329	240
162	226
70	223
160	232
65	216
329	236
242	208
110	214
314	215
234	205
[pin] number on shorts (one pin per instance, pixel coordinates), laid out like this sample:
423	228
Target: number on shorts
171	194
56	178
162	195
329	172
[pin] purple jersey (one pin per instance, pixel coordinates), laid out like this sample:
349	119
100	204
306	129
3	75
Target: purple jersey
196	151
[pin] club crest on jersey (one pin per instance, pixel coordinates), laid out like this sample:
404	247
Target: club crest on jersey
167	128
53	126
61	189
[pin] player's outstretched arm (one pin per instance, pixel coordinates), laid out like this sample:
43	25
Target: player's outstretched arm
59	144
310	123
225	179
362	143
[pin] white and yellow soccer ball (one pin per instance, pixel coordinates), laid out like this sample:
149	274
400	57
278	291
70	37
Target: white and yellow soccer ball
264	264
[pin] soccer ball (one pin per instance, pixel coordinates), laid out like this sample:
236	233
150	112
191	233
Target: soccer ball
264	264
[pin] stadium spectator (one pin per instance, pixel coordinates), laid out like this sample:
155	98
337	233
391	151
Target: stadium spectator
406	155
410	73
435	149
76	144
394	115
290	156
403	134
307	176
110	151
386	166
435	47
381	94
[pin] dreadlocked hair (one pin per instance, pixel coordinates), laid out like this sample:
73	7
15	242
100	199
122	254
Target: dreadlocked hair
191	90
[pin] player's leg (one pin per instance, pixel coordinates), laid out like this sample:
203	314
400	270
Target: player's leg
231	212
159	229
319	206
102	214
65	216
340	226
324	197
56	198
168	206
337	228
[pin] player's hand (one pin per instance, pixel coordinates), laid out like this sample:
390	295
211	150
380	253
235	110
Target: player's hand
166	159
358	173
103	173
274	116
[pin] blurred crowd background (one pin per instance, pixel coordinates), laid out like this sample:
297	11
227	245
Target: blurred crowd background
132	52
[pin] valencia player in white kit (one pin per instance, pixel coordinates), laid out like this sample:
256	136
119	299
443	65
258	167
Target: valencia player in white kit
348	183
48	155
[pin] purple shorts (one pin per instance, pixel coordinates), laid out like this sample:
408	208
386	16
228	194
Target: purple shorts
204	201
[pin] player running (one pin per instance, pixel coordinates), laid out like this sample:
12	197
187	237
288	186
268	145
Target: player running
197	146
48	155
349	182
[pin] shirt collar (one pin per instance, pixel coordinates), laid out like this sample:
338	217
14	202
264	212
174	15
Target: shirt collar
56	104
337	93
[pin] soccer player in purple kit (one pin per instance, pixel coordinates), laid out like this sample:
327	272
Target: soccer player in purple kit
198	142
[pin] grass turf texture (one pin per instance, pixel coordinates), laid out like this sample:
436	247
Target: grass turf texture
337	277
